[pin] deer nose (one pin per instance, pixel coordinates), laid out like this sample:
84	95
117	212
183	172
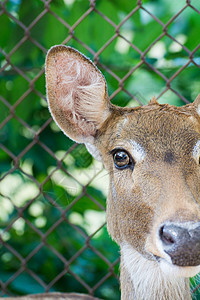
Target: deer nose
181	243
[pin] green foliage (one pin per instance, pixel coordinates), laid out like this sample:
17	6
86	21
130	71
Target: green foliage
53	181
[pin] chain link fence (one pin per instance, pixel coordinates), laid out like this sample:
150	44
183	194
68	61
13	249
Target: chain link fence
52	193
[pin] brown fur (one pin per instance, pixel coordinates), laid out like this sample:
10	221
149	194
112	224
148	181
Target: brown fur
164	186
136	206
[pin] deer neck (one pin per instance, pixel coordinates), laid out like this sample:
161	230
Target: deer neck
142	279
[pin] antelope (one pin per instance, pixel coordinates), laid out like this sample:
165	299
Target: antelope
152	154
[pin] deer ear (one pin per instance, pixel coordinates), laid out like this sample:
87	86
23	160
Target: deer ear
196	104
76	92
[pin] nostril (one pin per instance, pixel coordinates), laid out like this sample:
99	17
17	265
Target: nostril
166	236
181	243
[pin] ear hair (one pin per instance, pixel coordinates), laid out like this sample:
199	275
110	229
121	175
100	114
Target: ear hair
153	101
77	93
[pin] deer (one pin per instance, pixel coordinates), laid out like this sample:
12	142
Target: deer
152	155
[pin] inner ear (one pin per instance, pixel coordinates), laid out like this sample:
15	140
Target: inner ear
77	93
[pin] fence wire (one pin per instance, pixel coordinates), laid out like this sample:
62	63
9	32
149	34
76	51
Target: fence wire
35	208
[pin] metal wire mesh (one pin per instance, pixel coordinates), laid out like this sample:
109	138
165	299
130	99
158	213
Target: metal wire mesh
35	136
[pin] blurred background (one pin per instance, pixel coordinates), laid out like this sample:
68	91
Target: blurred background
52	193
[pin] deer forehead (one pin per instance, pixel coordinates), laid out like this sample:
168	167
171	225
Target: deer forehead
162	134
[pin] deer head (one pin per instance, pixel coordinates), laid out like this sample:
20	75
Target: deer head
153	157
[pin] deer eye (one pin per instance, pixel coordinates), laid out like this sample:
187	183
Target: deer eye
122	159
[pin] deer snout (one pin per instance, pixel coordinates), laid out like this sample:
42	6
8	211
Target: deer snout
181	243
